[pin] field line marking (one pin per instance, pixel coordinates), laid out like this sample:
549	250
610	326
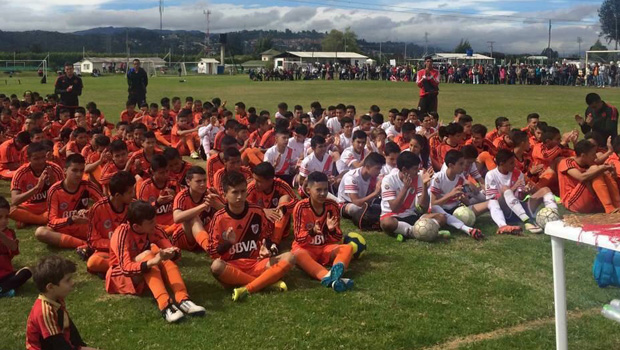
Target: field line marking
503	332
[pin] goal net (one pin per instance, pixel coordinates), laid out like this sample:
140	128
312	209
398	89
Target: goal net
601	56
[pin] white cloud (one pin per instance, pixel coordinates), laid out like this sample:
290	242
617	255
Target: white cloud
445	28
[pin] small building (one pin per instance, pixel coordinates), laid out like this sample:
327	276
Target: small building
208	66
254	64
112	64
290	58
462	58
269	54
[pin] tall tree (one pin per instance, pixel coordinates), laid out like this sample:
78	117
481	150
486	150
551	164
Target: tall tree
463	46
609	16
336	40
598	45
263	44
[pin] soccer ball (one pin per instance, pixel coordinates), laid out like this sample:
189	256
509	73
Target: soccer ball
546	215
425	230
466	215
356	241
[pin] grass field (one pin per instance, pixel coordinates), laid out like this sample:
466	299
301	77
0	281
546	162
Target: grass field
458	294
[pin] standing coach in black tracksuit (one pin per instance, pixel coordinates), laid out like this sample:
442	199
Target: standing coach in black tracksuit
137	80
69	87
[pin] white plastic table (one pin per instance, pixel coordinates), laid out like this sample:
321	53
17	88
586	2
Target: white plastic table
558	233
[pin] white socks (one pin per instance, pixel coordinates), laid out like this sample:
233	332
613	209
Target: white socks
452	221
402	228
497	214
549	200
515	205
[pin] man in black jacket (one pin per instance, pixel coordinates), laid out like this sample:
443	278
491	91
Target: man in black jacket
69	87
600	117
137	79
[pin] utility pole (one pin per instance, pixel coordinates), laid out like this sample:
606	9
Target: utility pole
425	43
549	42
207	13
405	52
491	46
579	41
161	16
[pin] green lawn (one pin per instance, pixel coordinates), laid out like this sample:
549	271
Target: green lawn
495	294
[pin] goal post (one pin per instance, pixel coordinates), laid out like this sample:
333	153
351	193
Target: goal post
601	55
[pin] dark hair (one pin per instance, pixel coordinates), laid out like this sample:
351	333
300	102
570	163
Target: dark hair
375	108
597	137
139	211
408	127
24	137
121	182
78	130
517	136
479	129
4	204
51	269
262	120
542	126
231	124
453	129
377	118
502	156
452	157
118	146
34	148
469	152
171	153
195	170
158	162
264	170
231	152
316	176
583	147
321	130
426	151
459	111
407	160
499	121
592	98
365	119
228	141
391	147
283	105
283	131
74	158
532	116
232	179
316	140
240	105
464	119
549	133
359	134
346	120
301	129
374	159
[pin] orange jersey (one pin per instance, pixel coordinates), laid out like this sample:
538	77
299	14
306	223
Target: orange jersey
217	142
6	254
401	142
243	119
62	204
524	163
250	228
500	143
25	179
545	155
132	147
220	174
528	131
444	148
104	219
272	199
126	244
268	139
110	169
487	146
149	192
183	201
214	163
127	116
175	138
255	138
568	183
73	147
304	220
87	151
144	159
11	128
179	177
9	154
492	135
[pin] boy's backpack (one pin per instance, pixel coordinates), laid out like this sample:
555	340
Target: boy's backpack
606	269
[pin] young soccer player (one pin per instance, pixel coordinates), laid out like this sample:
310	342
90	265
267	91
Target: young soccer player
344	140
140	254
396	129
146	153
354	155
105	216
10	279
176	165
359	188
29	187
275	196
191	203
160	190
532	122
240	244
11	155
552	148
184	137
404	196
392	151
49	325
232	162
584	186
79	140
67	204
281	157
486	149
404	138
319	160
505	191
120	161
502	127
216	161
454	141
318	237
449	189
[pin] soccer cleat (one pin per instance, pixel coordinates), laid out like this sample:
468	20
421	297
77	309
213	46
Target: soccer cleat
510	230
8	294
172	314
190	308
558	200
444	233
84	252
333	275
19	225
533	228
194	155
348	283
400	238
279	286
476	233
240	294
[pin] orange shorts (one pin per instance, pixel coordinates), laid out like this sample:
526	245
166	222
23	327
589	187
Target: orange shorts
581	200
179	240
253	267
77	231
321	254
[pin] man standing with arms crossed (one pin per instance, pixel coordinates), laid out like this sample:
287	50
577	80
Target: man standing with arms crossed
137	79
428	82
69	87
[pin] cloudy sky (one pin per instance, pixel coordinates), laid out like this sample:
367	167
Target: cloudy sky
514	25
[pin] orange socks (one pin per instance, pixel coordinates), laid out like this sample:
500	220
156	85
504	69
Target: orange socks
344	254
232	276
98	262
279	227
156	284
599	185
189	140
171	272
269	277
67	241
612	185
28	218
309	265
202	238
